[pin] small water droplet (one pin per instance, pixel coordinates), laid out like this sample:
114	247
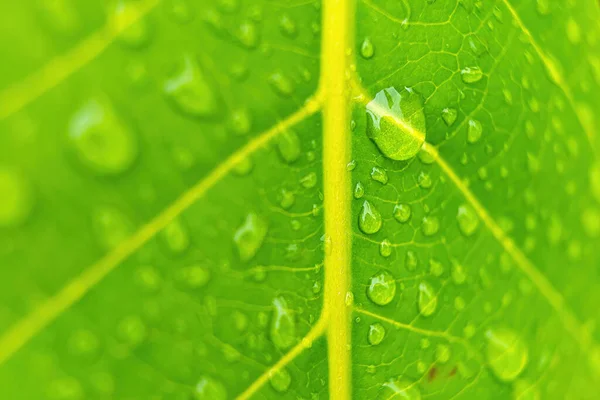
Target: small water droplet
288	26
449	116
359	190
594	181
240	122
424	180
458	273
189	92
148	277
376	333
309	181
283	325
132	330
471	74
209	388
367	49
430	225
134	34
111	227
248	35
427	299
506	353
176	237
280	380
369	219
250	236
281	84
411	261
385	248
243	167
349	299
396	123
382	288
573	31
442	353
102	141
379	175
436	268
194	276
288	144
474	131
468	220
402	212
16	199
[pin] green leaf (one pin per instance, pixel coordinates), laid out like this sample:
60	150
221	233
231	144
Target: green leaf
299	199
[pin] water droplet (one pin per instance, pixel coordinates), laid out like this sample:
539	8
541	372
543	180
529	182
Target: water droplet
189	92
382	288
399	388
83	343
16	200
349	299
590	219
367	50
471	74
359	190
458	273
424	180
396	123
411	261
176	237
132	330
101	141
248	35
427	299
379	175
180	11
281	84
240	122
369	219
385	248
402	212
250	236
436	268
288	26
506	353
194	276
449	116
288	144
243	167
442	353
474	131
209	388
351	165
430	225
286	199
283	325
309	181
468	220
148	277
476	46
280	380
134	34
376	333
111	227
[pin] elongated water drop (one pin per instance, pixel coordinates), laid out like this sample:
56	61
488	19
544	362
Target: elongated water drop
288	144
474	131
430	225
189	91
382	288
283	324
16	198
396	123
449	116
379	175
250	236
369	218
101	141
427	299
471	74
367	49
359	190
468	220
376	333
506	353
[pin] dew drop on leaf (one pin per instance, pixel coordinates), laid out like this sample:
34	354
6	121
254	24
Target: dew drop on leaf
280	380
458	273
16	199
209	388
101	141
248	34
396	123
367	49
148	278
249	237
449	116
283	325
430	225
194	276
471	74
288	26
474	131
468	220
176	237
399	388
369	218
376	333
359	190
379	175
286	199
385	248
240	121
442	353
288	145
427	299
309	181
382	288
543	7
411	261
402	212
595	181
132	330
281	84
506	353
189	91
424	180
111	226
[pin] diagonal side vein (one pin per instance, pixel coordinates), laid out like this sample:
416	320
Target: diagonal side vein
29	326
21	94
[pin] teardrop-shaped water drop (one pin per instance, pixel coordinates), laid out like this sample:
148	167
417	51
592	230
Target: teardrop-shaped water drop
506	353
189	91
280	380
283	324
427	299
379	175
402	212
474	131
250	236
376	333
359	190
382	288
369	218
468	220
396	123
430	225
449	116
288	145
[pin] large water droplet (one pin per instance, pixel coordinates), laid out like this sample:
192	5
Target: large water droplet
382	288
369	218
449	116
16	198
359	190
376	333
468	220
379	175
189	91
132	330
280	380
102	142
399	388
281	84
250	236
283	325
402	212
427	299
430	225
471	74
506	353
396	123
209	388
